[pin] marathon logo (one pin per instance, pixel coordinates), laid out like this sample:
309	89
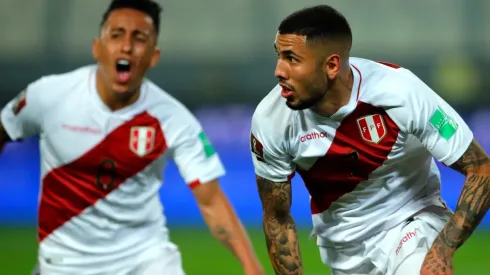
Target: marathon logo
313	135
406	238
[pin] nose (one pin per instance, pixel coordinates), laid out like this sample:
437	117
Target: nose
280	71
127	45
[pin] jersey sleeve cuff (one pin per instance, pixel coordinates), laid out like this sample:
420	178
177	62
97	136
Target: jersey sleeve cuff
275	179
456	155
205	179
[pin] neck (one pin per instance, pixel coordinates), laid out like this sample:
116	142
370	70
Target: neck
337	96
112	99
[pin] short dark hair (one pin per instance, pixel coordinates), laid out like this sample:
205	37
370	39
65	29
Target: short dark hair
149	7
320	22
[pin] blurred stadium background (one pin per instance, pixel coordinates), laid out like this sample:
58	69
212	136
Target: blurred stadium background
218	59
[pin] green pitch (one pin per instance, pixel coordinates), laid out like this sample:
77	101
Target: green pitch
203	255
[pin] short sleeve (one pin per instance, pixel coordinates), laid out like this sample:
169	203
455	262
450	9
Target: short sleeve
193	153
22	116
270	158
434	123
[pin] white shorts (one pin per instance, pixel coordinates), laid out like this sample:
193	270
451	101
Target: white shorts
160	259
398	251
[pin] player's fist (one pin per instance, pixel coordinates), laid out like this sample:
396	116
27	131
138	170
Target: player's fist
438	261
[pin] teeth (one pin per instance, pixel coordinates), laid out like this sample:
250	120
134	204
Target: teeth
123	62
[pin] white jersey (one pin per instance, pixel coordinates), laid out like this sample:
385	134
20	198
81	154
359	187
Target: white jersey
101	170
370	165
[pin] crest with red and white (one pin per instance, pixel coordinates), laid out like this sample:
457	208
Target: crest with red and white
142	140
372	128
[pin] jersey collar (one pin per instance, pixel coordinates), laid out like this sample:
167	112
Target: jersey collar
125	112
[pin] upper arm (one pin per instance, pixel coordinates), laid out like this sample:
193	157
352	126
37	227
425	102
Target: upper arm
206	194
273	166
22	116
474	160
276	197
192	151
429	118
270	158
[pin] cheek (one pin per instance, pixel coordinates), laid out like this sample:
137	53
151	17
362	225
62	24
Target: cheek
106	53
144	55
314	84
319	80
139	49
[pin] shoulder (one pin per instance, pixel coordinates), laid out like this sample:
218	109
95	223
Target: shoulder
272	119
170	111
388	85
397	90
272	113
49	89
55	82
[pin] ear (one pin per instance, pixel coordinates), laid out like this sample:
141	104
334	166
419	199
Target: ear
155	58
332	65
96	48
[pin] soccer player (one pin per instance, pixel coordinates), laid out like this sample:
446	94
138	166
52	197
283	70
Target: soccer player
363	136
105	134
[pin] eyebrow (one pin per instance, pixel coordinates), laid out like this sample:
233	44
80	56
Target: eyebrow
137	31
285	52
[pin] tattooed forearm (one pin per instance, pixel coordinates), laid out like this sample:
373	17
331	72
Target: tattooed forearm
279	227
474	201
470	210
472	206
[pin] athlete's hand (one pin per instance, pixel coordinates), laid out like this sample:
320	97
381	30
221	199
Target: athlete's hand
438	261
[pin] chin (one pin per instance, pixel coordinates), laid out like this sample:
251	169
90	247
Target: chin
122	89
297	106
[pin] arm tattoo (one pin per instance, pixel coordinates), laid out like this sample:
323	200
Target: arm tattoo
472	205
475	196
474	157
224	236
279	227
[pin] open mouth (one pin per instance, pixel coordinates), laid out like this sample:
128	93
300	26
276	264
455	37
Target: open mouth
123	68
286	91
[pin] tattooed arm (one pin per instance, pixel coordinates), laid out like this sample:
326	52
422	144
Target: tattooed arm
279	227
474	201
225	225
472	206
